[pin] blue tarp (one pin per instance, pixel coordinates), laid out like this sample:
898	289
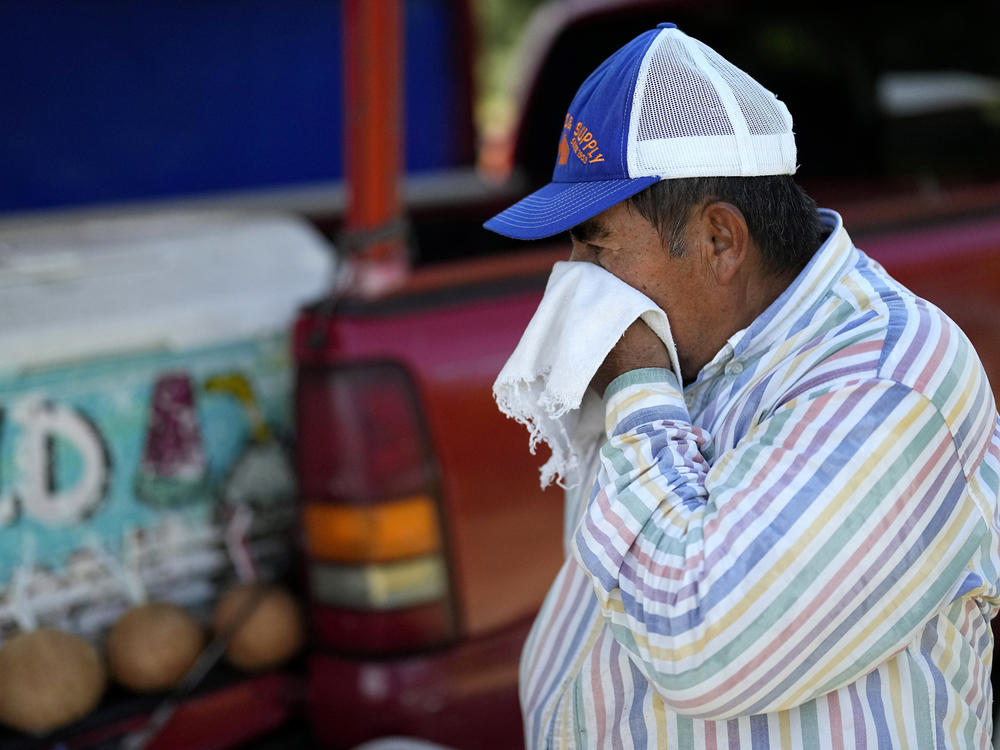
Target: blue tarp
107	101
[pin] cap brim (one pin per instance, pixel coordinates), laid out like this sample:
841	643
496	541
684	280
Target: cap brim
562	205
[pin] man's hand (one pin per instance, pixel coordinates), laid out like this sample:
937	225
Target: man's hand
638	347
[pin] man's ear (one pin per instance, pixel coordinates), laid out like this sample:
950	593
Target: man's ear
725	239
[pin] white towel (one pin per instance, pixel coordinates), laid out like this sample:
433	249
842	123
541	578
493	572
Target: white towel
583	314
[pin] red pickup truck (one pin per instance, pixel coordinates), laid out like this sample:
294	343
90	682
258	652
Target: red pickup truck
428	545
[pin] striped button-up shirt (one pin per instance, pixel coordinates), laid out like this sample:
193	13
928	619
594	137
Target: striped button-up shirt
797	550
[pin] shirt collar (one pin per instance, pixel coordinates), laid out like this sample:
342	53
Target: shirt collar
823	270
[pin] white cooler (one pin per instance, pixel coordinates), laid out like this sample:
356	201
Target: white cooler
145	409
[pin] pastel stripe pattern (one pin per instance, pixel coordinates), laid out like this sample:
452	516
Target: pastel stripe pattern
801	549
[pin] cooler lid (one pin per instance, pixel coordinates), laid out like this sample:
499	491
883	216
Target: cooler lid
90	287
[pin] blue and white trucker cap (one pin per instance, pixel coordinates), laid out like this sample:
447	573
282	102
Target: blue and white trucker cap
664	106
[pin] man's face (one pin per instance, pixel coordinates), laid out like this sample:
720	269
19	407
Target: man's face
622	242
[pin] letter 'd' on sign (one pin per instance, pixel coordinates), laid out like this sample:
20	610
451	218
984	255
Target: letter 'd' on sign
43	423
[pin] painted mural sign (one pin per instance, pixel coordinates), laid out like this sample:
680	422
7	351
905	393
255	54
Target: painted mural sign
158	471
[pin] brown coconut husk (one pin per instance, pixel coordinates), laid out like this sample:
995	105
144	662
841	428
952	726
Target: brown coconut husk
152	647
265	623
48	679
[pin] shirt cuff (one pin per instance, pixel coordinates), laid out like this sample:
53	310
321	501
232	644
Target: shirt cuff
645	395
642	376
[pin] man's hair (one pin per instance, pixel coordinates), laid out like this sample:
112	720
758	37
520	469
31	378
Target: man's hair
781	217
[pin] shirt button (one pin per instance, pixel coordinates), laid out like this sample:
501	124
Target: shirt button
734	368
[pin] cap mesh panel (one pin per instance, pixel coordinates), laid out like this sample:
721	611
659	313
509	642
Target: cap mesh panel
698	114
674	78
759	106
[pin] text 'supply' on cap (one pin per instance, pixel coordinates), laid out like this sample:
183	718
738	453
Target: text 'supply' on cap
662	107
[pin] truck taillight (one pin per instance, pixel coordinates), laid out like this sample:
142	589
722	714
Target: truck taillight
377	563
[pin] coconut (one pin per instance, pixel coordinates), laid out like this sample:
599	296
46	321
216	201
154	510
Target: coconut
153	646
268	626
48	679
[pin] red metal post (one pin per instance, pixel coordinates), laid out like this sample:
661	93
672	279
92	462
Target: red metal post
373	141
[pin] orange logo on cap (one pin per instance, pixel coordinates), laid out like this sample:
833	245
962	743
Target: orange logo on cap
563	150
583	143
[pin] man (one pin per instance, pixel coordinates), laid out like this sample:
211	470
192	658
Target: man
796	547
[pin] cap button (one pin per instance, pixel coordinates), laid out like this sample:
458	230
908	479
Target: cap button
666	25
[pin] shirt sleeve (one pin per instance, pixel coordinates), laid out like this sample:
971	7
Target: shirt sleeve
801	560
